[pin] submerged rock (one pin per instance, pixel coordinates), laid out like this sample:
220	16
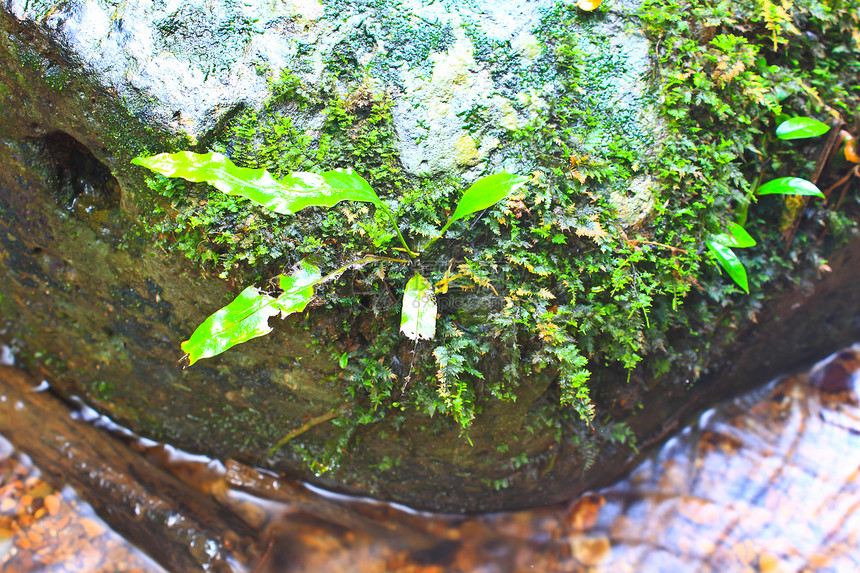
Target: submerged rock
423	98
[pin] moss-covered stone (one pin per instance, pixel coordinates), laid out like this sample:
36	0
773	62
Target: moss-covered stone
584	308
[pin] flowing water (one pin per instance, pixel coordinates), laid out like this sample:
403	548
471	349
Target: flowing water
45	529
767	482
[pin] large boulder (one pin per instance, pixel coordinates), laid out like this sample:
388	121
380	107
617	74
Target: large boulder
588	316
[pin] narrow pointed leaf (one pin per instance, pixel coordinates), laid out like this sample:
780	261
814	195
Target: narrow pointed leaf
736	236
800	128
291	194
245	318
730	262
486	192
418	317
790	186
248	315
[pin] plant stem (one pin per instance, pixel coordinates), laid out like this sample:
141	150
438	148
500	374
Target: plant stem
635	243
412	254
744	205
360	262
437	237
316	421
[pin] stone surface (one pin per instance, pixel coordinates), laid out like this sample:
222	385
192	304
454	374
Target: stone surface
88	303
186	64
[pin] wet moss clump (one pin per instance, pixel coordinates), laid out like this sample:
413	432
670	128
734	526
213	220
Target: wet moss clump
408	39
730	73
599	272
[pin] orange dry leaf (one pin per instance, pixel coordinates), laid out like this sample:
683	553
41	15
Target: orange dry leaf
578	175
584	514
52	504
724	74
588	5
592	230
92	527
851	151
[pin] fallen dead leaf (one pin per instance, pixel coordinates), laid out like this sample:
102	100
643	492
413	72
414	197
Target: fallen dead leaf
52	504
590	551
92	527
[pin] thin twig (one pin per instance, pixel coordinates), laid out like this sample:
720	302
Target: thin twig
824	158
844	179
845	183
856	172
269	545
316	421
636	242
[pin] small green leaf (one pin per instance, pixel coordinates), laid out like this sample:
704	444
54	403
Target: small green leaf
247	316
742	239
486	192
730	262
790	186
736	237
800	128
293	193
418	317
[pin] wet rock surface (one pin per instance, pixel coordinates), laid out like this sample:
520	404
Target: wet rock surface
186	66
89	304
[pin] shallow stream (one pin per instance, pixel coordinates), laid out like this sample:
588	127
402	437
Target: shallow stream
767	482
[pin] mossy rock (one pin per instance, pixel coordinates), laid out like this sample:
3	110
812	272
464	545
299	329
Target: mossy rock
587	318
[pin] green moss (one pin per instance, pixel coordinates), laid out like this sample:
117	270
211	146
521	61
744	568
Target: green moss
556	281
188	31
358	132
730	74
408	39
574	282
618	293
289	89
102	390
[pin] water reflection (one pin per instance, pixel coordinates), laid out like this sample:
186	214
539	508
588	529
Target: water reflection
48	530
769	482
